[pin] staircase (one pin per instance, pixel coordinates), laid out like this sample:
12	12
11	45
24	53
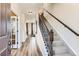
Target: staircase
60	48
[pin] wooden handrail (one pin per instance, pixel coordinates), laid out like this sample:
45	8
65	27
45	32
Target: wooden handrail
63	23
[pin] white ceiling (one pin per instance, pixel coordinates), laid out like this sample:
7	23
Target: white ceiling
29	7
29	10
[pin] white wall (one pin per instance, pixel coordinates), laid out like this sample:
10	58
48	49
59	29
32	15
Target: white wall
23	28
21	23
68	13
31	18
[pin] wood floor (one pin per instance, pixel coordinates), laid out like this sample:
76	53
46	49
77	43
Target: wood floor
29	48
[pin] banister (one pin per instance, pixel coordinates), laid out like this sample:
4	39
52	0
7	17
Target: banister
44	23
77	34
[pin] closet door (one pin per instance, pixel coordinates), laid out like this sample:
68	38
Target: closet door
4	36
27	28
3	20
8	18
7	27
0	20
32	29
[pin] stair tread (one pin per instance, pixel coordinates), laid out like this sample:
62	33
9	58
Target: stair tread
59	50
64	54
58	41
56	44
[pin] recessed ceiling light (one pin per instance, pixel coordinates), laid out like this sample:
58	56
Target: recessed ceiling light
30	12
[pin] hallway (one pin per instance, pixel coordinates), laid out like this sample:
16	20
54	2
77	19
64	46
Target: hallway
29	48
41	29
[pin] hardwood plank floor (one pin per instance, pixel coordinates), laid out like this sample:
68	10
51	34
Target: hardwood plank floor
29	48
